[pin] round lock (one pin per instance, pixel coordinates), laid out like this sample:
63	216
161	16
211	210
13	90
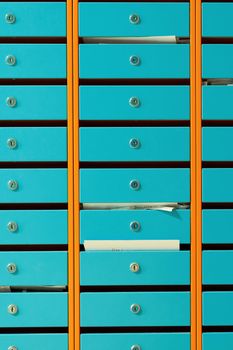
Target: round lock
12	309
134	19
12	185
135	226
10	18
11	143
134	267
10	60
12	347
135	308
11	268
134	143
135	347
134	185
12	226
11	102
134	102
134	60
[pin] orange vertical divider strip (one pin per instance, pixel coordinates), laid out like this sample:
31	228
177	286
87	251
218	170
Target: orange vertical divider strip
70	174
199	167
76	172
193	246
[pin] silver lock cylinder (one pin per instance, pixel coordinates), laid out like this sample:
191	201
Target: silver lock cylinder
10	60
134	19
134	185
11	101
11	143
135	226
134	267
12	347
12	185
10	18
135	347
134	60
134	143
12	309
135	308
11	268
12	226
134	102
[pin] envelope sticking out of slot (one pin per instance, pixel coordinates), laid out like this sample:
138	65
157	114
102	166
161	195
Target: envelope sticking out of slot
135	40
132	245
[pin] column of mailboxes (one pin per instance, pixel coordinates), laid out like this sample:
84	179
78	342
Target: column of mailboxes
33	176
134	154
217	173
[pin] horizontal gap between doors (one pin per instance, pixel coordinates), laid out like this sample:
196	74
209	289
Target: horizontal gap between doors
33	206
217	40
33	247
206	329
217	246
33	40
33	330
215	288
133	123
217	205
32	81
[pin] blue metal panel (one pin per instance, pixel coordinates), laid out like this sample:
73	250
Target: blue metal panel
112	102
217	143
217	60
217	185
217	308
34	185
217	267
113	144
216	341
34	226
216	19
217	226
34	268
156	268
113	185
112	19
113	309
217	102
33	144
33	61
34	102
113	61
33	19
34	309
35	341
115	224
124	341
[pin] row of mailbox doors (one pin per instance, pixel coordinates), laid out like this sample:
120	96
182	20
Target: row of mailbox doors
146	19
113	144
130	185
26	61
113	102
125	341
